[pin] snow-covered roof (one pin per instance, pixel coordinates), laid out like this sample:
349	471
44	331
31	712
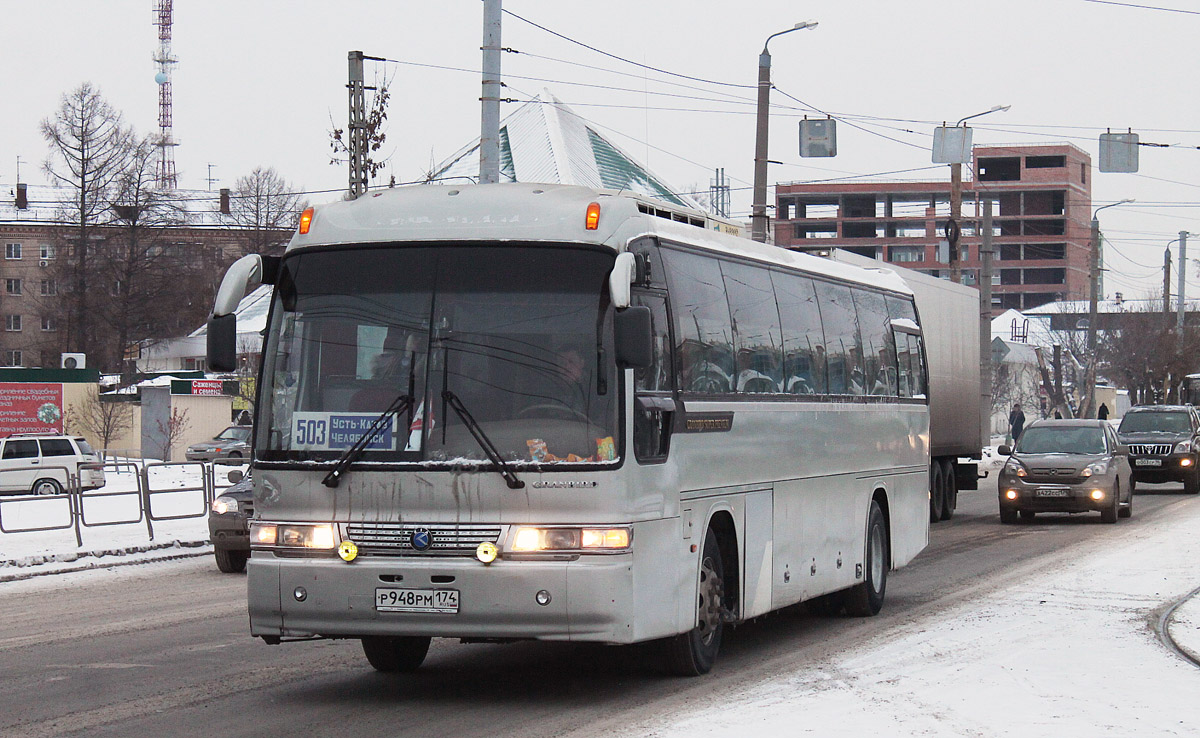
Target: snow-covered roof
545	142
46	206
1080	307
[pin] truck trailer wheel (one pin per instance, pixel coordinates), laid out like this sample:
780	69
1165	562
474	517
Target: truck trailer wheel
949	490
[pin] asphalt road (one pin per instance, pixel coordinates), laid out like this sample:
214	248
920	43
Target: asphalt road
163	650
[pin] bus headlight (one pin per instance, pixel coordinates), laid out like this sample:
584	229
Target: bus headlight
529	539
293	535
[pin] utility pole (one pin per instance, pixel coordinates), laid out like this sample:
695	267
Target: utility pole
1166	284
357	126
758	209
1182	290
985	323
953	229
489	133
718	192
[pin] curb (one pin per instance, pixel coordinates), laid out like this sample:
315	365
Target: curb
1187	646
37	571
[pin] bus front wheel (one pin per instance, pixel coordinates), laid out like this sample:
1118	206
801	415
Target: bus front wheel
693	653
395	653
866	598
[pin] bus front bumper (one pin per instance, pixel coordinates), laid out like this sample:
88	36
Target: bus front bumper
590	598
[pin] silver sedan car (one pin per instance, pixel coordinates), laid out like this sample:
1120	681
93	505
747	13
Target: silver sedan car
231	443
1069	466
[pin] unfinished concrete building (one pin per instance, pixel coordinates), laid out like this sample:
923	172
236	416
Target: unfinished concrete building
1041	197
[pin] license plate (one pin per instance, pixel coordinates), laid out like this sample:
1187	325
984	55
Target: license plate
416	600
1051	492
1147	462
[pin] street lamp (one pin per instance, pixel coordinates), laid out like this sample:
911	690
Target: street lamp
953	231
758	210
1093	301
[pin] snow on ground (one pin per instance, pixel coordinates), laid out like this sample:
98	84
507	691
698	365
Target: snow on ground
1064	648
32	553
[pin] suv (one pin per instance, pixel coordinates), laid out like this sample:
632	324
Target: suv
1164	444
231	443
40	463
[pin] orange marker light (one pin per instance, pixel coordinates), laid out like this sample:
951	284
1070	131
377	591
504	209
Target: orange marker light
593	217
306	221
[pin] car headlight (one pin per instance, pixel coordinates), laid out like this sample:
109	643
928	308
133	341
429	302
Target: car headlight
224	504
1099	467
293	535
1015	467
1183	447
528	539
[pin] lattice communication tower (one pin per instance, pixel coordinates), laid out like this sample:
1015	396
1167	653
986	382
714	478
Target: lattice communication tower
165	174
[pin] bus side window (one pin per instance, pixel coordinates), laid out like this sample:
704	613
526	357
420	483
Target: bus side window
843	346
703	327
653	404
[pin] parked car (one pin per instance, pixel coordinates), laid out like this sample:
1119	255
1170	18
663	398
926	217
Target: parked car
229	524
41	464
231	443
1164	444
1070	466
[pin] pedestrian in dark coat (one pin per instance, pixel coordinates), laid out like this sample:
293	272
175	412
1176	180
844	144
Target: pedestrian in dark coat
1016	422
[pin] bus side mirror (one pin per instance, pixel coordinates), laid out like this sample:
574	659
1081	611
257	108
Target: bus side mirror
222	343
634	337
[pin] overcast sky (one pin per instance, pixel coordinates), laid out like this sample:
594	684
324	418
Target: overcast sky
258	83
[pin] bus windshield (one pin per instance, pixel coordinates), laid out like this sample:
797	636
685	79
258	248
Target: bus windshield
518	337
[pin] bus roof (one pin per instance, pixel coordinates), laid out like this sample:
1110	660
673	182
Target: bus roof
548	213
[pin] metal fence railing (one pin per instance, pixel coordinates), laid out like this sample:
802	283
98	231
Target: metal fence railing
135	491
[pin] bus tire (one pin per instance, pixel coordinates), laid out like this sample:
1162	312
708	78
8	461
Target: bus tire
395	654
949	490
866	599
936	491
693	653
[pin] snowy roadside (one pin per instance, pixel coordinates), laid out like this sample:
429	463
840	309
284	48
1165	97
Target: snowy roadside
1066	648
35	553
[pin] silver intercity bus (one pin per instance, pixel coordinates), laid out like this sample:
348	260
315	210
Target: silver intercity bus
537	411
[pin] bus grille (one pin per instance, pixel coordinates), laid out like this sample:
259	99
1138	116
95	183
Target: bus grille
396	539
1150	449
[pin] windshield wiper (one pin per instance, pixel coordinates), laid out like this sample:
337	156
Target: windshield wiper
481	438
352	454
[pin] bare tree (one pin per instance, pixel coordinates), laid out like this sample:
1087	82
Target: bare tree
89	151
142	281
102	419
267	207
1148	356
172	430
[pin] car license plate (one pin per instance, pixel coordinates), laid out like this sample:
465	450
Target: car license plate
1053	492
1147	462
416	600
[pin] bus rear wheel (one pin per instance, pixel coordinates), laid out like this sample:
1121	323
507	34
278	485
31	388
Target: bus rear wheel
693	653
395	654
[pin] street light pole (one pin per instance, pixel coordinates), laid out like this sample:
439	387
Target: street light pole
1093	304
758	210
953	230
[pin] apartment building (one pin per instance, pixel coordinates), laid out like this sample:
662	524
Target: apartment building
1041	195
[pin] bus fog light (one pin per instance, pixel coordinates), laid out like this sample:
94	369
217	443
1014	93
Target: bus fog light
542	597
300	594
487	552
348	550
1097	494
